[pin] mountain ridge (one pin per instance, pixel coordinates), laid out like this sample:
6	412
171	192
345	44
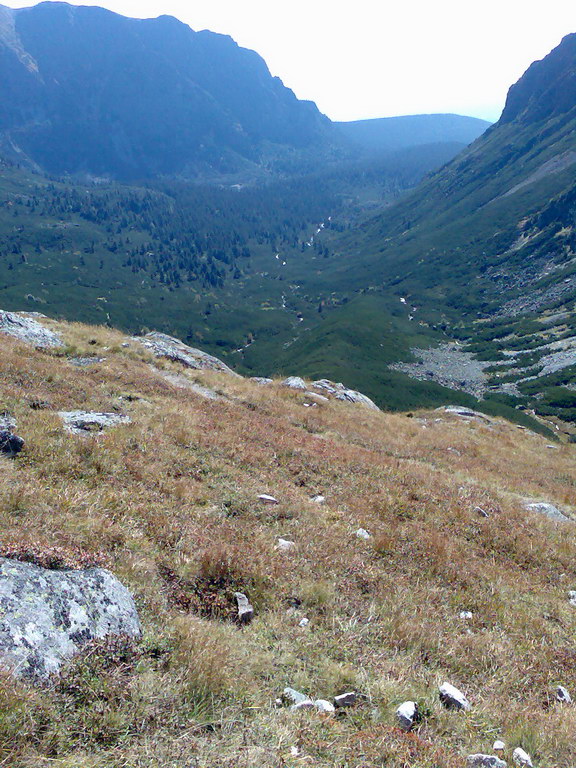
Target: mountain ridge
177	115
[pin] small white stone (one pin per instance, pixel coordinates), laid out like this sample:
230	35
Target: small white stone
362	533
452	698
304	623
266	499
294	751
499	745
562	695
284	545
406	714
521	758
572	597
308	704
324	706
294	697
318	499
466	615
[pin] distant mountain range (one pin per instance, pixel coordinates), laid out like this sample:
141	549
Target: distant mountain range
88	92
84	90
389	134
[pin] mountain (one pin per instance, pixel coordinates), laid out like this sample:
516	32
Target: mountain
86	91
389	134
402	553
483	256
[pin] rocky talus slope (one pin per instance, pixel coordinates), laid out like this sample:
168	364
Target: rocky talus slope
261	573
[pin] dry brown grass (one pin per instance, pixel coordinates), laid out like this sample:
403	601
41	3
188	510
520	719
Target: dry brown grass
170	502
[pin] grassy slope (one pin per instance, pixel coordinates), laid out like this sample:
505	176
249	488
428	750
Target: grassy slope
169	502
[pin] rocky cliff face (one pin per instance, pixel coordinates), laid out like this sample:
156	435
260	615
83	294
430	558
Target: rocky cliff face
547	88
88	91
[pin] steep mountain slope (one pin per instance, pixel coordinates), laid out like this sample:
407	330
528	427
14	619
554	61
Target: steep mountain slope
484	251
457	581
392	133
84	90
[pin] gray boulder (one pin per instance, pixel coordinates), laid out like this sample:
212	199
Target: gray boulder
465	413
544	508
81	422
85	362
484	761
352	396
162	345
294	382
183	382
10	444
47	616
25	328
341	392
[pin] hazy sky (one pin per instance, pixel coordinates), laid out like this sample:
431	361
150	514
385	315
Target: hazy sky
374	58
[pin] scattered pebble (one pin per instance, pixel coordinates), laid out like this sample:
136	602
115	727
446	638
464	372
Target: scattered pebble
521	758
304	622
499	745
407	714
245	610
292	696
266	499
306	704
346	699
284	545
484	761
466	615
318	499
362	533
452	698
562	695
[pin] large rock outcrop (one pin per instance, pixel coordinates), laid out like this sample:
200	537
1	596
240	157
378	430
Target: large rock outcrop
340	392
27	329
162	345
46	616
81	422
